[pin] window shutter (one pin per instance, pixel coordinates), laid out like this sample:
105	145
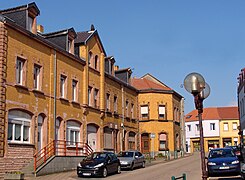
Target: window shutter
161	109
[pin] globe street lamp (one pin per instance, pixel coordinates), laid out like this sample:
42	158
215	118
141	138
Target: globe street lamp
195	84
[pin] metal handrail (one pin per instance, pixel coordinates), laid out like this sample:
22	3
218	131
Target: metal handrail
62	148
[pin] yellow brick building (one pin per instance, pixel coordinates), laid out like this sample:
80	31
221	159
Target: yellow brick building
161	116
59	88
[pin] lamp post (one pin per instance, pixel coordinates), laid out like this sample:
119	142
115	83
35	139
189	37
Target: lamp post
195	84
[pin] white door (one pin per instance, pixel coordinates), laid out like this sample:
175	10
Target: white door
92	137
40	133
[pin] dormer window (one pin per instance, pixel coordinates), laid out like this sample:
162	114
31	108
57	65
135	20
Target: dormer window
30	24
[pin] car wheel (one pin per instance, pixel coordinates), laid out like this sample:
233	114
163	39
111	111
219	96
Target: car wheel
143	164
132	167
118	169
104	172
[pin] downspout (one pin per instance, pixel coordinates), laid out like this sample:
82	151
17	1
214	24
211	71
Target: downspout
55	94
122	124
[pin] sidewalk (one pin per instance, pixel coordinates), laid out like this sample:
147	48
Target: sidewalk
69	175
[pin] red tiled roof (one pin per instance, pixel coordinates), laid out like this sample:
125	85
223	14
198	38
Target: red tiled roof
145	84
214	113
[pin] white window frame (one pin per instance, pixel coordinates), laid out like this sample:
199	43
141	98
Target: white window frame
144	110
226	126
30	24
234	125
161	111
62	86
74	90
188	127
23	122
37	77
73	131
20	71
197	127
115	104
212	126
89	96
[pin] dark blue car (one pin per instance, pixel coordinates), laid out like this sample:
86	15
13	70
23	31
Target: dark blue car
223	161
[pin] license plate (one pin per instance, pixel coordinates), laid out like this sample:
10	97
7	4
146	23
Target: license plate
225	167
86	174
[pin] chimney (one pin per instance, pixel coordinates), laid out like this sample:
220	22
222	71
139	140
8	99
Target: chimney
116	67
40	28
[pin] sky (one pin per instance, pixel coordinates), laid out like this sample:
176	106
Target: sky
167	38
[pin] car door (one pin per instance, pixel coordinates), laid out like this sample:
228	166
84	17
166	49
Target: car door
137	159
140	158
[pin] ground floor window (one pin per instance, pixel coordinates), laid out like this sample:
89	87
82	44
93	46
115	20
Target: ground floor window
19	126
131	140
163	141
73	132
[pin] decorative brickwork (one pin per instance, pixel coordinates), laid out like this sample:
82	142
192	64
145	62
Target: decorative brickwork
3	61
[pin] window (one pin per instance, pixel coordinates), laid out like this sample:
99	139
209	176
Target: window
96	93
73	132
37	77
161	109
70	45
96	63
162	141
19	126
132	111
212	126
90	56
74	90
30	24
62	86
234	126
144	111
127	114
107	101
197	127
226	128
188	128
89	96
20	71
115	104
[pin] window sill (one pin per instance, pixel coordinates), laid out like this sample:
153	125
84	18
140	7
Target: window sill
64	99
21	86
38	91
75	103
20	143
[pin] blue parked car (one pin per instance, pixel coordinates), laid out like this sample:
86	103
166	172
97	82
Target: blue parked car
222	161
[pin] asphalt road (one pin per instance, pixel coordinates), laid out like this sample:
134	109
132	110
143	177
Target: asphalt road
191	166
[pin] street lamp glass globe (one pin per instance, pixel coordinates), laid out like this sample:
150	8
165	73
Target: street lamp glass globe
194	83
205	92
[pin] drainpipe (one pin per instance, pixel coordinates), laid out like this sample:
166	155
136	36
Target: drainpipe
122	124
55	81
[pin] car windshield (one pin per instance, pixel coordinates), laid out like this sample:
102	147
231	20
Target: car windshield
96	156
126	154
221	153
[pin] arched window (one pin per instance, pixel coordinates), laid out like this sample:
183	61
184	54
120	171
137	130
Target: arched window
163	141
73	132
19	126
90	56
131	140
96	62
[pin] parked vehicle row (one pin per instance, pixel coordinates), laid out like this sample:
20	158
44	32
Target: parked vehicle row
104	163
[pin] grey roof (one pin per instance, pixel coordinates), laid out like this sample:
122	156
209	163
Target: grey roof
30	5
82	37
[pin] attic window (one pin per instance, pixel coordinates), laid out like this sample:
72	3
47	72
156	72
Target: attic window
30	23
188	117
